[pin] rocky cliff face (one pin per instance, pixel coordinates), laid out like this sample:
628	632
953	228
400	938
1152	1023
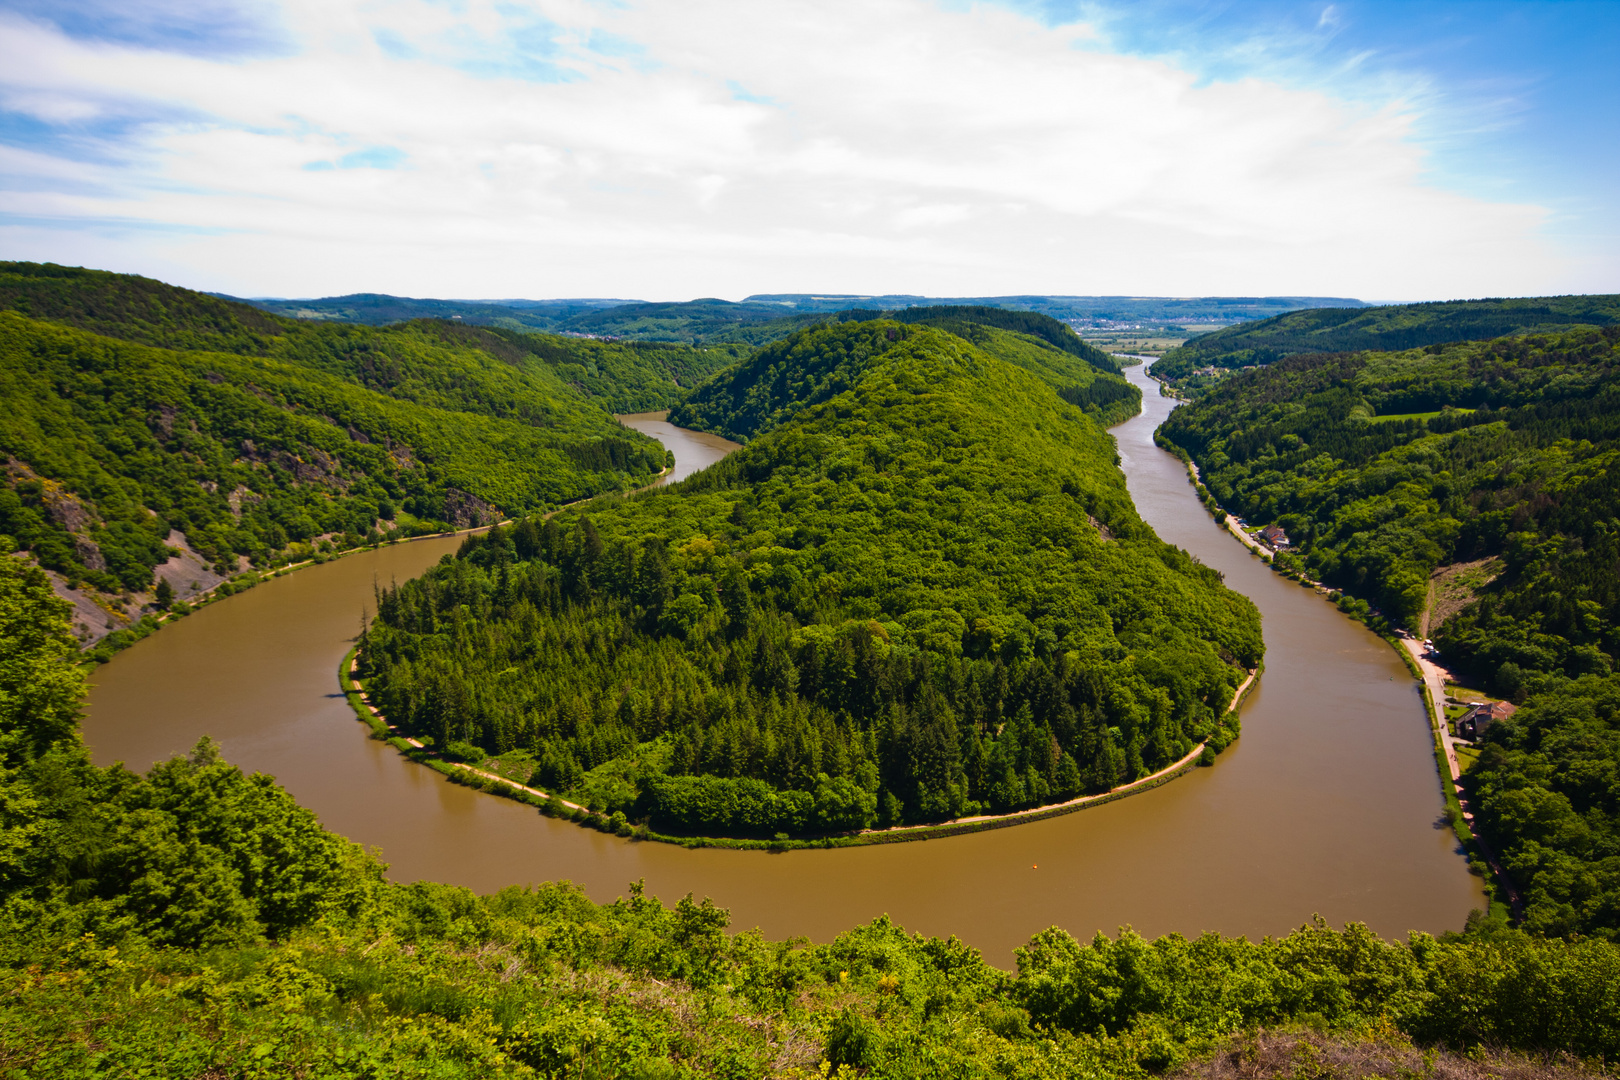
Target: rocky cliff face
466	511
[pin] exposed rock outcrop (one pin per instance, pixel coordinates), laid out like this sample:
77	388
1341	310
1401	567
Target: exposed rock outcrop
466	511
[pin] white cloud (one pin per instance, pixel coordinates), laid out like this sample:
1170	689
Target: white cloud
880	145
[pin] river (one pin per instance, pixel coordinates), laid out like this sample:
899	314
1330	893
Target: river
1329	803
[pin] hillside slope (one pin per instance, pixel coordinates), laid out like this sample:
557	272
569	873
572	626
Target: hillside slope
966	320
1384	466
121	457
1388	328
493	364
781	379
925	592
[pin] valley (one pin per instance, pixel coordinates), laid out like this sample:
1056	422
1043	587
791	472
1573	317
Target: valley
865	479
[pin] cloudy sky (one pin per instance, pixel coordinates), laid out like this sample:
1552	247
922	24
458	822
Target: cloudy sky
680	148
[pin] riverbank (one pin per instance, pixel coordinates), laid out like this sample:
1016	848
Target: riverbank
554	805
1482	860
104	649
1433	679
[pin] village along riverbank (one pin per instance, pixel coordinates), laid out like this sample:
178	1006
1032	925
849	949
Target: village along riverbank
1327	804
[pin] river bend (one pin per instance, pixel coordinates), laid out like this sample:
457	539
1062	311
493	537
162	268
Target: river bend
1329	803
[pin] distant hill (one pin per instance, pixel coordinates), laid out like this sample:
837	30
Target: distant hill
1388	328
780	380
767	317
379	309
1083	309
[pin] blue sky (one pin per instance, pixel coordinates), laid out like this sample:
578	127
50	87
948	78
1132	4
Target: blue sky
716	147
1520	101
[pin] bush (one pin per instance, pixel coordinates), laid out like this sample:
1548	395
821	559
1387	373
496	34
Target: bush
465	753
851	1040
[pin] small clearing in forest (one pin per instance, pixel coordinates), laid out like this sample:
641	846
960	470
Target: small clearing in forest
1454	587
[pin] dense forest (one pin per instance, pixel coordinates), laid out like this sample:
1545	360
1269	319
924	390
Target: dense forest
920	591
1387	329
1546	783
1383	467
616	377
781	379
111	445
194	921
130	409
1389	471
966	320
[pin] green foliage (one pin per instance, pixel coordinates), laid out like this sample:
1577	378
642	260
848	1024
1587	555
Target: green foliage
40	687
249	432
1548	788
627	376
616	376
783	378
196	921
135	308
706	320
114	444
1527	476
921	590
1373	509
957	318
1391	328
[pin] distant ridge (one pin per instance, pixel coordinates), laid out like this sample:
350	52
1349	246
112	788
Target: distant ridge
765	317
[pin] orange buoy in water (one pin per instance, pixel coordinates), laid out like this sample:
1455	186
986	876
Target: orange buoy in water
1034	867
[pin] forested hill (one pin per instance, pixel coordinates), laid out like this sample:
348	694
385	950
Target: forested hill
121	458
135	308
783	378
195	921
613	377
961	319
1394	327
925	595
1473	490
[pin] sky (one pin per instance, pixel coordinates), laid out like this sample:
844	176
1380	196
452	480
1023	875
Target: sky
673	150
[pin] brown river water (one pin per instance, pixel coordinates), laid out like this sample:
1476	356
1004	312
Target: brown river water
1328	803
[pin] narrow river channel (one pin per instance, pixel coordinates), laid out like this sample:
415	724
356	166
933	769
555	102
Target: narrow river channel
1328	804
